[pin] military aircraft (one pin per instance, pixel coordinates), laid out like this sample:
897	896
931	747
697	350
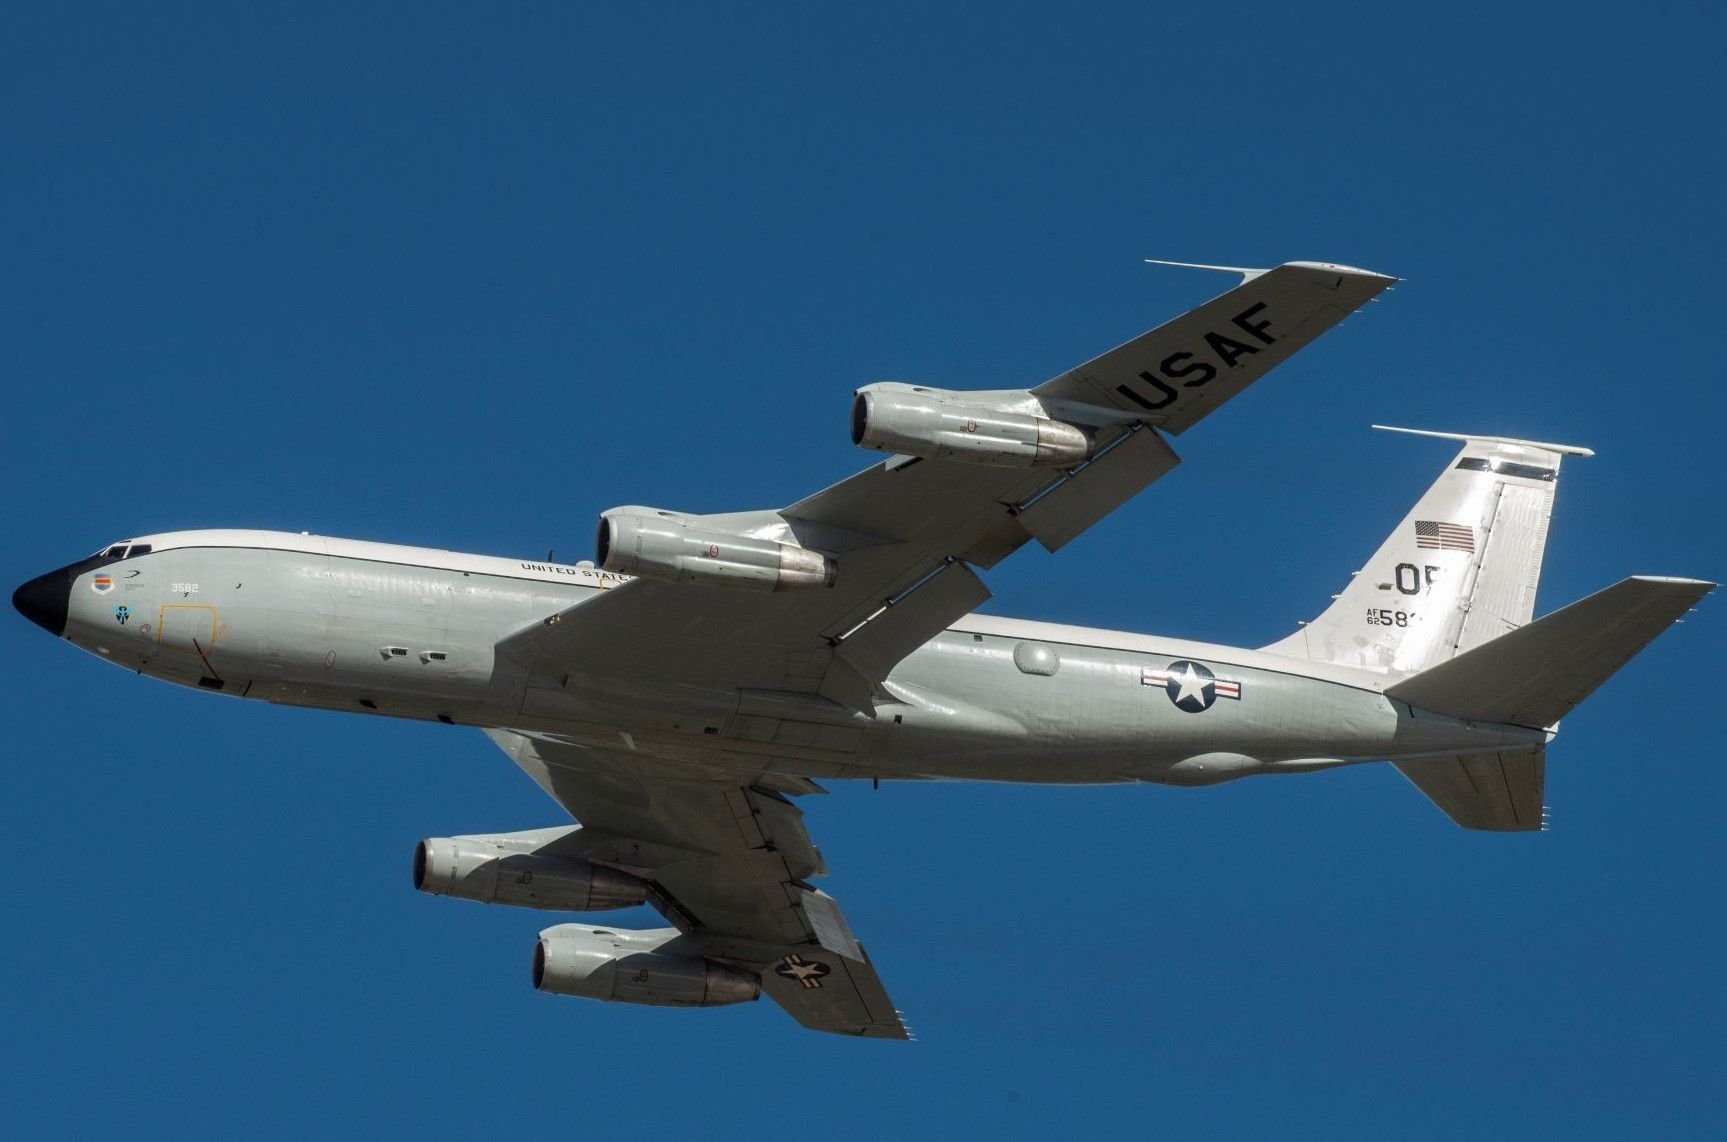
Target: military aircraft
676	693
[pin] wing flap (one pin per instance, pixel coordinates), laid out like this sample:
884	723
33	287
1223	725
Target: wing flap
866	654
831	930
1138	459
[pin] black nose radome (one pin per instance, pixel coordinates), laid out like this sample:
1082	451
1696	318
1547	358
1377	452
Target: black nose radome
43	600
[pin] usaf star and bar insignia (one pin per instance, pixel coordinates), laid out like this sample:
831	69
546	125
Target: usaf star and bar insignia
809	973
1190	685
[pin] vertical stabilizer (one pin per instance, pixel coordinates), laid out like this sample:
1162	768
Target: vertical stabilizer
1461	568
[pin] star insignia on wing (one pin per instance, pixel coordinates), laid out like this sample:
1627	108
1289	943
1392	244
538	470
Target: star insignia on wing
809	973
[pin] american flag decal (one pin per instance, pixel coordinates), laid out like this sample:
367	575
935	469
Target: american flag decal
1436	536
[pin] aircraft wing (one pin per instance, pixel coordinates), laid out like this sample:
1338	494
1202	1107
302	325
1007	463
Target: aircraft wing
908	532
1176	374
729	864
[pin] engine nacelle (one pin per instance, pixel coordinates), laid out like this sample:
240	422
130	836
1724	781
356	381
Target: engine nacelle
942	425
476	868
678	548
631	967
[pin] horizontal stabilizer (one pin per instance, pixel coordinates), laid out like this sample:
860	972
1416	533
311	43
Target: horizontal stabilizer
1495	791
1536	674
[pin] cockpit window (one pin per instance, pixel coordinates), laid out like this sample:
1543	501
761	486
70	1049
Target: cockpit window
124	551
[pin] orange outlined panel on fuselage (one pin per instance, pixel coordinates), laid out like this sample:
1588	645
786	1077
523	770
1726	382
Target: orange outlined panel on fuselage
189	627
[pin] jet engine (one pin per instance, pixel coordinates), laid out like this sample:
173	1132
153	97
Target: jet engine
940	425
478	868
635	967
679	548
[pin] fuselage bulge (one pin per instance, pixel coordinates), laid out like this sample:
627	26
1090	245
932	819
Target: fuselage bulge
411	632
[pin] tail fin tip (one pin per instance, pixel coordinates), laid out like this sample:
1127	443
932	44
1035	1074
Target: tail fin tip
1471	438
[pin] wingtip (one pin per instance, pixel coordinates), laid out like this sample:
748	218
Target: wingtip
1247	273
1339	268
1700	586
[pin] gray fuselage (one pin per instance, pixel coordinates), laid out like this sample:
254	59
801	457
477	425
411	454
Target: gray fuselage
411	632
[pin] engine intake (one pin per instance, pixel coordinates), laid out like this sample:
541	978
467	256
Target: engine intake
677	548
473	868
635	967
942	425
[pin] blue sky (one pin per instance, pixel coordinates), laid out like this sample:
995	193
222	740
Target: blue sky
464	275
